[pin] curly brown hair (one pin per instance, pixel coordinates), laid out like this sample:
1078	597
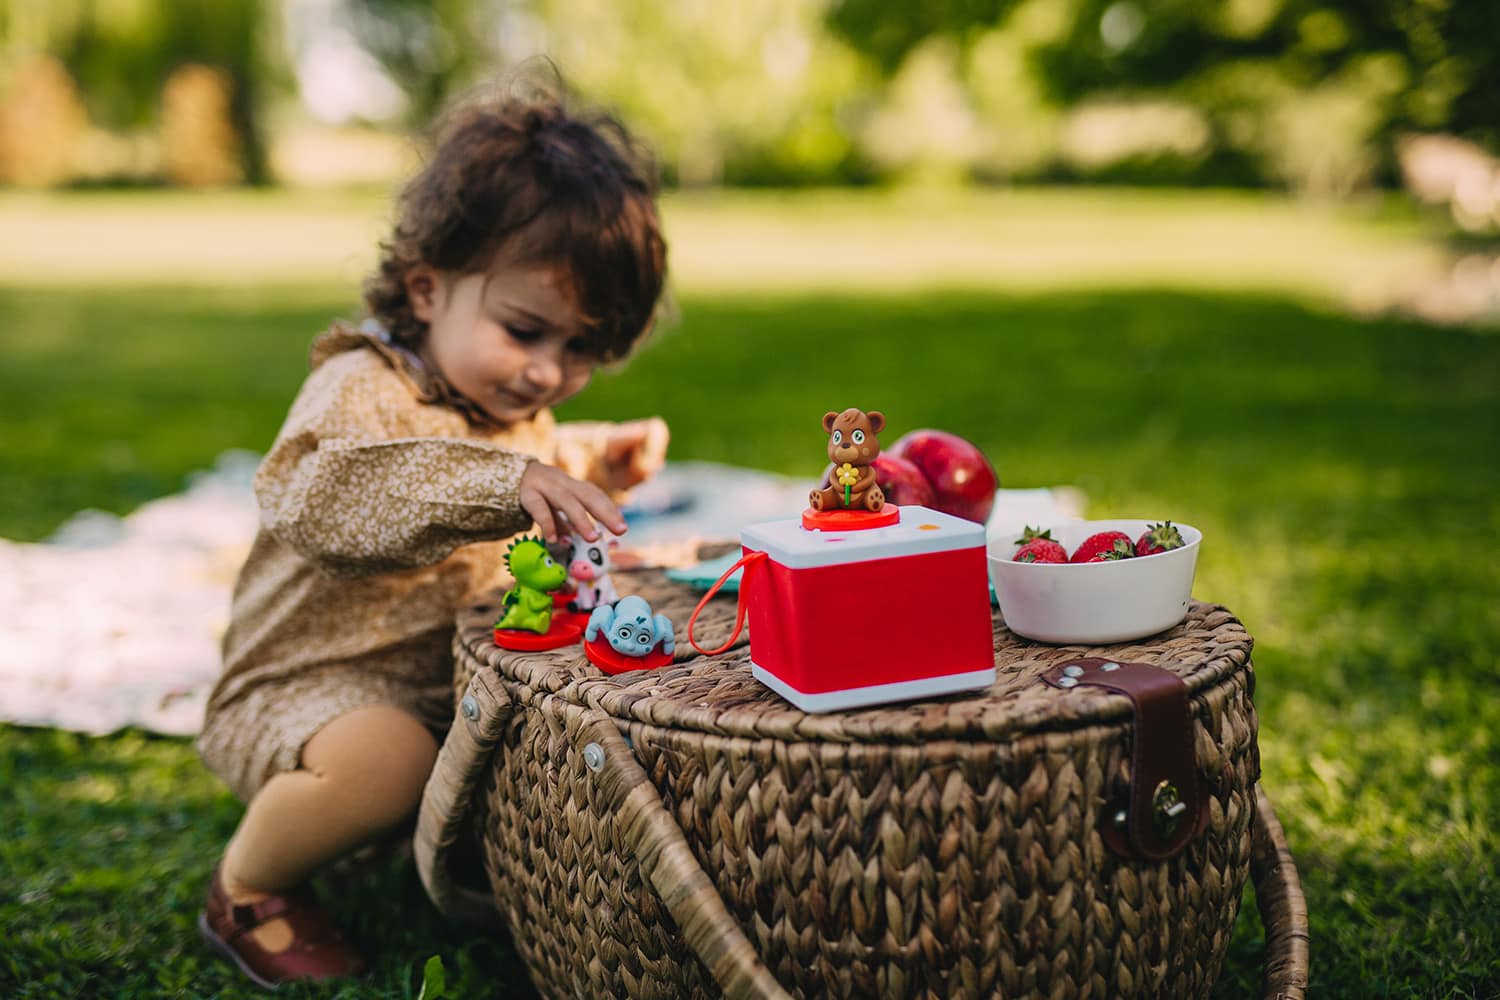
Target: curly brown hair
523	175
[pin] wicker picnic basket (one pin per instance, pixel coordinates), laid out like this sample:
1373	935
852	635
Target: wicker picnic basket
685	832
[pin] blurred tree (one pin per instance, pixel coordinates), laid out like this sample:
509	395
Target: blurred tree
199	145
1019	125
743	91
122	52
925	130
1300	92
42	119
888	32
1295	74
428	48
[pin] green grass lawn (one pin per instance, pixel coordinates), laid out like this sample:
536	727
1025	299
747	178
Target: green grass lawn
1343	471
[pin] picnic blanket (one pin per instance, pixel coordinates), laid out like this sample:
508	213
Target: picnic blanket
116	621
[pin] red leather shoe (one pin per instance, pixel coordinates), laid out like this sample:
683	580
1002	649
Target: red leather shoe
318	949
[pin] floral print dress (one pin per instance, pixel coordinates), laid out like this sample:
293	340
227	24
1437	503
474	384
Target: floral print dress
386	502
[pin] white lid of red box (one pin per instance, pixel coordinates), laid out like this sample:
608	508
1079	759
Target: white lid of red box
920	530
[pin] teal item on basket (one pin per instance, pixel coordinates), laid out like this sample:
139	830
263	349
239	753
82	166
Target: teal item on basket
703	575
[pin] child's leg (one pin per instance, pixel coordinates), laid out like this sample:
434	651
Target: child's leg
361	774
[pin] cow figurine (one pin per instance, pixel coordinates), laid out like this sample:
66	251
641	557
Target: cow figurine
631	628
588	567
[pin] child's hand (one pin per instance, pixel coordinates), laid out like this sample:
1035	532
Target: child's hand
635	451
549	495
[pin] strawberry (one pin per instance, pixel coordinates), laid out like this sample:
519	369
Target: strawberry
1159	538
1103	547
1039	547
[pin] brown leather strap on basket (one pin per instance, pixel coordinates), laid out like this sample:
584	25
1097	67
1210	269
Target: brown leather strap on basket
1164	808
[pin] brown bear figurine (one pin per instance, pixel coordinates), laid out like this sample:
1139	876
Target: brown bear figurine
850	480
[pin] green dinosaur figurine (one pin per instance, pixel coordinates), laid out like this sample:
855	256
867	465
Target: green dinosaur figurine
528	605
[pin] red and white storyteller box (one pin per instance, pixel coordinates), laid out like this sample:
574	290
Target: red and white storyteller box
840	619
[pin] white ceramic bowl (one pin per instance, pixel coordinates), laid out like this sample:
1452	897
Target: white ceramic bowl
1095	602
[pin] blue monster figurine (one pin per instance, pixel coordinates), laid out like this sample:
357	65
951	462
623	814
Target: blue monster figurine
630	627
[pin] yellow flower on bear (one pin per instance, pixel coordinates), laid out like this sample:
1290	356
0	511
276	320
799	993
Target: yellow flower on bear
847	474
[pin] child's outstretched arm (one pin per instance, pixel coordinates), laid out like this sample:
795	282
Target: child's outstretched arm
343	487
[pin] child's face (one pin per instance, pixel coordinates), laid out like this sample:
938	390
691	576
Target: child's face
509	339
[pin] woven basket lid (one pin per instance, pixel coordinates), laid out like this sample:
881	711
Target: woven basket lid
717	694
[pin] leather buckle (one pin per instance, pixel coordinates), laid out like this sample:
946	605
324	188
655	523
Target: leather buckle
1165	806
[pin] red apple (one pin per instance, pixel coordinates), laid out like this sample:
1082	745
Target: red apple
963	480
903	482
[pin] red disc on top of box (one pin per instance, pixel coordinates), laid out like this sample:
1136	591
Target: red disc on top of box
838	519
565	631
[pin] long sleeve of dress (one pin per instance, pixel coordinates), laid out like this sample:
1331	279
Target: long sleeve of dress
343	487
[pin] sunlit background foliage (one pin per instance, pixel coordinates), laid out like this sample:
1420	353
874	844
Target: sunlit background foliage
1294	94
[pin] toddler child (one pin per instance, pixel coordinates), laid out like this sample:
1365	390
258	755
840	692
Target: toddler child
526	252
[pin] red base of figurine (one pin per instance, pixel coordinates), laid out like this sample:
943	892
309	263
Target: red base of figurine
566	629
604	656
562	598
850	520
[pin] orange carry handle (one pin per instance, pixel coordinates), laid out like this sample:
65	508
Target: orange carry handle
746	560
